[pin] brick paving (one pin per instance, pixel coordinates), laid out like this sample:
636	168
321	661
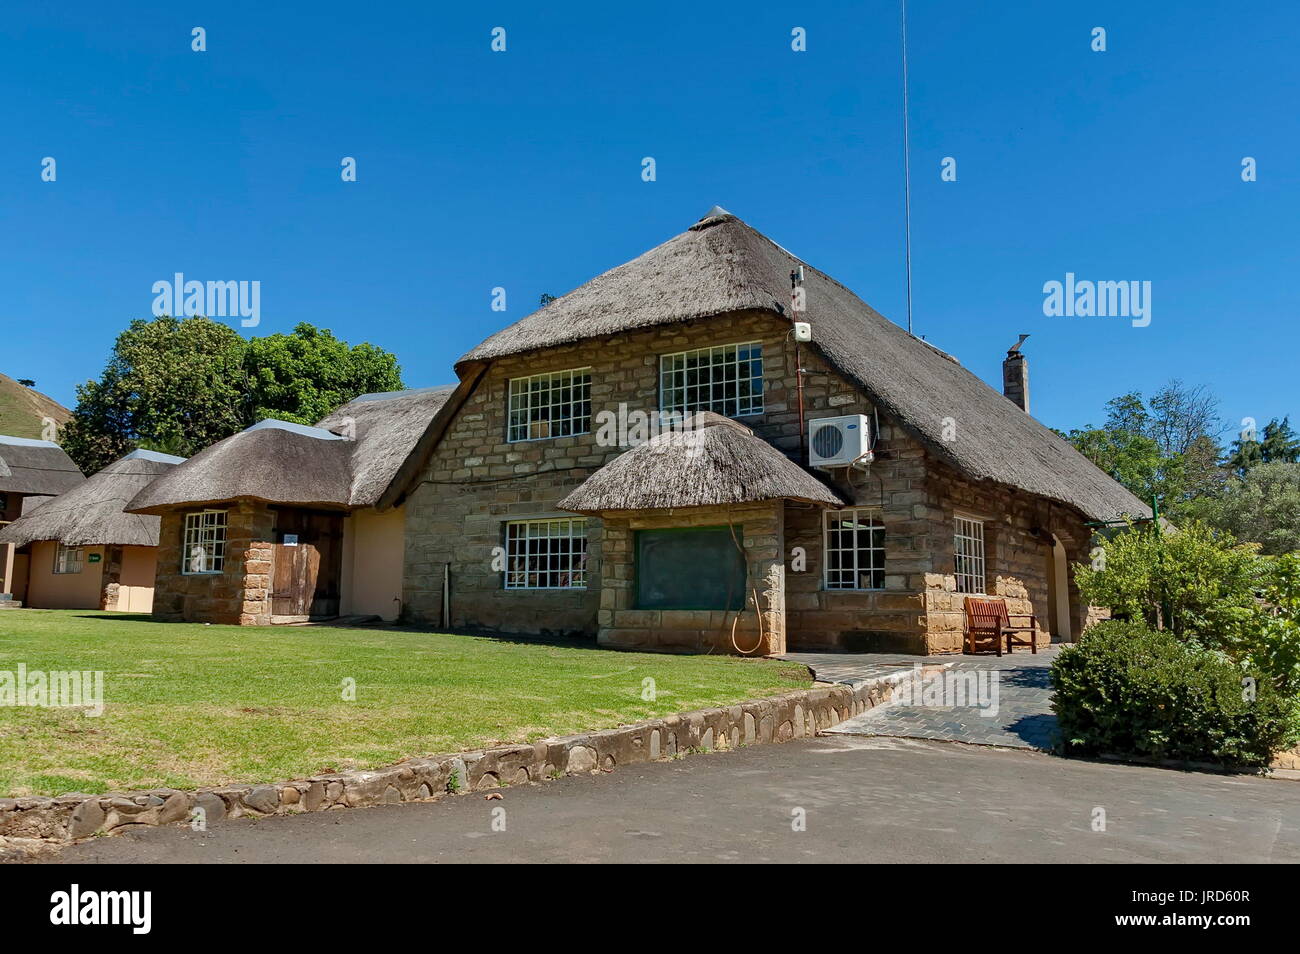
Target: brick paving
1023	717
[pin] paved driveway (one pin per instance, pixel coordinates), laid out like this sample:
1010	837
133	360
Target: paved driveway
981	700
864	800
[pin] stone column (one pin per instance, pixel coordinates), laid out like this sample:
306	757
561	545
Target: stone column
111	580
6	570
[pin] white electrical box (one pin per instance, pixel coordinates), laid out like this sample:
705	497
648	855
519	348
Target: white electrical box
839	441
802	331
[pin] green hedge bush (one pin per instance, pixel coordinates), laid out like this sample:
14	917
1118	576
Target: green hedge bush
1130	690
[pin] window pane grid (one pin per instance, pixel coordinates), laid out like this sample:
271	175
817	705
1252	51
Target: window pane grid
204	544
546	554
67	559
968	549
855	550
553	404
727	379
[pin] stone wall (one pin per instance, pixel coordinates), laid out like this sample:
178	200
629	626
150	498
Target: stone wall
793	715
624	626
1018	531
240	594
476	480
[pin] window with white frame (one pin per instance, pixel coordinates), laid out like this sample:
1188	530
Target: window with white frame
727	379
855	550
204	543
546	554
67	559
968	547
553	404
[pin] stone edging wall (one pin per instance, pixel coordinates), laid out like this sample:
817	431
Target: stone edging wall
781	718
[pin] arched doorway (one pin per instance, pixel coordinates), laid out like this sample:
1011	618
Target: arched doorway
1058	593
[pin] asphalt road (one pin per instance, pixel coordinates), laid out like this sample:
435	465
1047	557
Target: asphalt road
864	800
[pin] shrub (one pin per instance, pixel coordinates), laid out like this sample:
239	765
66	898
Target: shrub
1207	584
1131	690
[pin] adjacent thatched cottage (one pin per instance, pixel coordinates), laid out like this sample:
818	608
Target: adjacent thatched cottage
284	522
31	471
526	511
84	551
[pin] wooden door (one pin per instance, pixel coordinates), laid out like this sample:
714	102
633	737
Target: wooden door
307	563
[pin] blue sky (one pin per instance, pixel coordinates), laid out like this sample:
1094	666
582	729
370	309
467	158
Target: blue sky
522	170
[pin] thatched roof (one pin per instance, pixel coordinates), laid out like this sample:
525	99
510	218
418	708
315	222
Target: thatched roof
36	467
91	514
386	428
347	461
712	461
721	265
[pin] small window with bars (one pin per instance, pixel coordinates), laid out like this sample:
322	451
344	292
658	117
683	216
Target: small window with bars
554	404
727	379
67	559
204	544
855	550
968	547
546	554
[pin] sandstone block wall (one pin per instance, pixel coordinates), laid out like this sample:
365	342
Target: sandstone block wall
759	629
240	594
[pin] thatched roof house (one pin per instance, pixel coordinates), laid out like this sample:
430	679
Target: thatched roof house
721	265
279	522
92	514
30	470
711	461
35	467
952	489
81	550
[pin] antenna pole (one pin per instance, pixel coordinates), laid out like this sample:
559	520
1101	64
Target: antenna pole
907	179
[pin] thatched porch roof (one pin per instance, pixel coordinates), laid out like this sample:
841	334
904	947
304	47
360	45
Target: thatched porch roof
91	514
36	467
721	265
713	461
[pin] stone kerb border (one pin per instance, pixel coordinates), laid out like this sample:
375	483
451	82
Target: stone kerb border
794	715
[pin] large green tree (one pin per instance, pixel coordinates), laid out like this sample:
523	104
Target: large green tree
1165	447
1279	445
180	384
1263	507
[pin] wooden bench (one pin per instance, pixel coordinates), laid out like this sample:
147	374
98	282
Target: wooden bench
987	619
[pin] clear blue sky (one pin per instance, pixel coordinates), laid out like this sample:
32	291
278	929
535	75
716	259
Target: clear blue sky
522	169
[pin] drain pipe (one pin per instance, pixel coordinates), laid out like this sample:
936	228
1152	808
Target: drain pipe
446	595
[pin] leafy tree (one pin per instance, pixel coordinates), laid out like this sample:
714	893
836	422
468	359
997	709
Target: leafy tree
303	376
545	300
1190	581
1262	507
1280	445
181	384
1165	447
27	382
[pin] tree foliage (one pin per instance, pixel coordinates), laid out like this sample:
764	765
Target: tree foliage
1263	506
1166	447
180	384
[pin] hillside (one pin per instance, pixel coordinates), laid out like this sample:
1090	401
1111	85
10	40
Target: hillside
22	409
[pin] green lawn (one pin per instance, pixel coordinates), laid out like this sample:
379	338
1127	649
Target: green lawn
187	705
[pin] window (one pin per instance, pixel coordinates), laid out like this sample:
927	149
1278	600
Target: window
67	559
727	379
4	503
691	568
205	542
555	404
855	550
546	554
968	545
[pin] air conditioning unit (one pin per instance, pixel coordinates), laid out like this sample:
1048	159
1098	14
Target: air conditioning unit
839	441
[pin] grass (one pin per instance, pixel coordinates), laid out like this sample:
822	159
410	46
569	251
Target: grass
188	705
